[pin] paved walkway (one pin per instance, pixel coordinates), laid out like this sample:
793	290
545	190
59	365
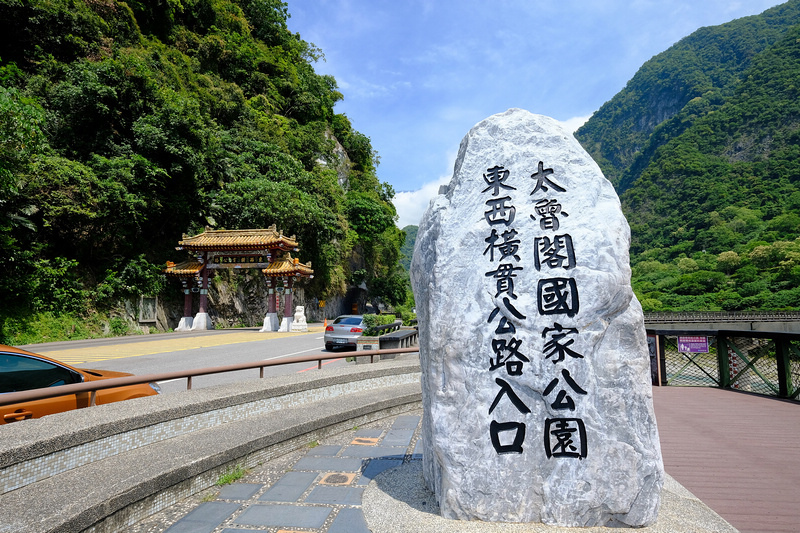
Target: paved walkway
738	453
317	489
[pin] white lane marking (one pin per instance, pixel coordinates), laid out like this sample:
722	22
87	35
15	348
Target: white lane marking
295	353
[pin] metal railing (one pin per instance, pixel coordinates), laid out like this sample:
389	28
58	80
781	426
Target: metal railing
394	326
720	316
94	386
761	363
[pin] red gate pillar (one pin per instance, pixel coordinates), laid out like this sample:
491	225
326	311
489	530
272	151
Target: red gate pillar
202	320
271	320
187	302
204	292
185	323
288	311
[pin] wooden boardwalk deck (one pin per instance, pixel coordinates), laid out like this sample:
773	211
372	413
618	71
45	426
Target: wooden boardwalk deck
738	453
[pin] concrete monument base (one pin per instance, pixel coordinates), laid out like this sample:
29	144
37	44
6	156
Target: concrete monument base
270	323
202	321
396	501
185	324
286	325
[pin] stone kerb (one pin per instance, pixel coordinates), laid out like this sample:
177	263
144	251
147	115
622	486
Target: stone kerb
142	420
155	443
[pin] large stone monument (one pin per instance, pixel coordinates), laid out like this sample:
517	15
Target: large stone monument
536	377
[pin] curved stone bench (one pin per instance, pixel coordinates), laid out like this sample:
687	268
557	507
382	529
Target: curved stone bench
105	467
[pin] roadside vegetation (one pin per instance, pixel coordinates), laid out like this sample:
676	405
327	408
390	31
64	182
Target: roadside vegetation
124	125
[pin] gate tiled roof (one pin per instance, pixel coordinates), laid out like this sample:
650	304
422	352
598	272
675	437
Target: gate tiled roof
287	266
238	240
186	269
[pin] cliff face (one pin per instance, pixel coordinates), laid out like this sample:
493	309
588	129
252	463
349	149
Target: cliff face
707	64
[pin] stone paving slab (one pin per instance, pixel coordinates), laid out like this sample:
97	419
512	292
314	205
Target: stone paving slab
326	450
349	521
406	422
329	464
284	515
239	491
205	518
373	451
336	495
398	437
375	467
289	488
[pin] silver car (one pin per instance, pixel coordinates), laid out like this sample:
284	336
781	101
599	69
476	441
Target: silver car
344	332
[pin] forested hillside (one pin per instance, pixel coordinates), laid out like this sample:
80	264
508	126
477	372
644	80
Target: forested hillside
407	250
124	125
704	146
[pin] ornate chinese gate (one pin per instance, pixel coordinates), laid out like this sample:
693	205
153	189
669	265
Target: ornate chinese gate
263	249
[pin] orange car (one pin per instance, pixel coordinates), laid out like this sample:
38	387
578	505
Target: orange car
21	370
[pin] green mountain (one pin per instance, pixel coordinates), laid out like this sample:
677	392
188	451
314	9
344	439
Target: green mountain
124	125
704	146
407	250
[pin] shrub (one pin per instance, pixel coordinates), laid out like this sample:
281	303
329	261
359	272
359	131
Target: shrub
405	313
370	321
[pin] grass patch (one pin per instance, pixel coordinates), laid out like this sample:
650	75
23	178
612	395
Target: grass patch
234	474
49	327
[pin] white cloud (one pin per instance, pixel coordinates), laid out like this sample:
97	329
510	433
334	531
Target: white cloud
572	124
411	205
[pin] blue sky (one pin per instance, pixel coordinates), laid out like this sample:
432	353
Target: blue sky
416	75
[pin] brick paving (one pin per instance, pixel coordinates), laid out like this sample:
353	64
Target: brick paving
739	453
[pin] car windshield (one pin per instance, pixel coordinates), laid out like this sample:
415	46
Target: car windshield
348	320
18	373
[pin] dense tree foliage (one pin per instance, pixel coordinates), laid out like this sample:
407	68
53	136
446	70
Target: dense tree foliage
407	251
709	170
125	125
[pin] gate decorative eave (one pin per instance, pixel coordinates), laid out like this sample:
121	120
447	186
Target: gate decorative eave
185	269
286	267
245	240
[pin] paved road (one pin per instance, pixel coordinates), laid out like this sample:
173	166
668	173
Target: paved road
150	354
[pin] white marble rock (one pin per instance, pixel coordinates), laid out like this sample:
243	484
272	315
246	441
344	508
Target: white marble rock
584	359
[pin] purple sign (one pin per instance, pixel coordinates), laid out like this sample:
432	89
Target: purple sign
693	344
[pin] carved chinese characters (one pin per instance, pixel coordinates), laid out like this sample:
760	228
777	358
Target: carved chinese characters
536	388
